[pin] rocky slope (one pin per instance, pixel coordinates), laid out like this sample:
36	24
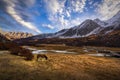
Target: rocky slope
87	28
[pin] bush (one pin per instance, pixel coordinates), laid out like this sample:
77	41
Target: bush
26	53
22	52
16	50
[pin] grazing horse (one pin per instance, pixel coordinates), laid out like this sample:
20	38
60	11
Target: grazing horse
42	56
39	57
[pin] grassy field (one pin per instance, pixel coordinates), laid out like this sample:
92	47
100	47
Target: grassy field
59	66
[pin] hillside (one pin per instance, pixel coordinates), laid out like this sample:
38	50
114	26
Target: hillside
17	35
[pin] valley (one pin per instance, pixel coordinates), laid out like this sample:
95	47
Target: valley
60	59
65	66
88	51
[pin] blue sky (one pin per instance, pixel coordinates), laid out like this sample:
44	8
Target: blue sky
48	16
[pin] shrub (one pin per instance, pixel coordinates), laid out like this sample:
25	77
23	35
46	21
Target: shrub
16	50
26	53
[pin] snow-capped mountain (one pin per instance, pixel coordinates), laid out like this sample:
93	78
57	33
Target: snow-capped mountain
89	27
86	28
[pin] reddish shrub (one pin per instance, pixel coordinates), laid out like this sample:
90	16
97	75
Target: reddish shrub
26	53
16	50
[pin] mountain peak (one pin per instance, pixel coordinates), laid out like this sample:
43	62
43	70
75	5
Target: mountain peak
88	20
97	19
85	23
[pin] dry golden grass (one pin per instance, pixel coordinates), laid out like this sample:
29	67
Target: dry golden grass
59	67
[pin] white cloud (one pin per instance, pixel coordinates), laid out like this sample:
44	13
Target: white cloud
59	11
53	6
48	26
14	14
108	8
78	5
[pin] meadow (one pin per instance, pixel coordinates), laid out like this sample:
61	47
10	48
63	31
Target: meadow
60	66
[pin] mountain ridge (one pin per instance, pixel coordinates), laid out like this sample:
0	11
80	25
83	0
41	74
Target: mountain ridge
15	35
87	28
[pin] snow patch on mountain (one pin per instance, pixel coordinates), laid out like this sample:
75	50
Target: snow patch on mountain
95	31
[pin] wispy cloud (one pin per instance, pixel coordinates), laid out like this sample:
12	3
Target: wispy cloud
16	9
108	8
48	26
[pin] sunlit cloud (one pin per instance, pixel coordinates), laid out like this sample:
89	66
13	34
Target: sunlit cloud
48	26
11	9
108	8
